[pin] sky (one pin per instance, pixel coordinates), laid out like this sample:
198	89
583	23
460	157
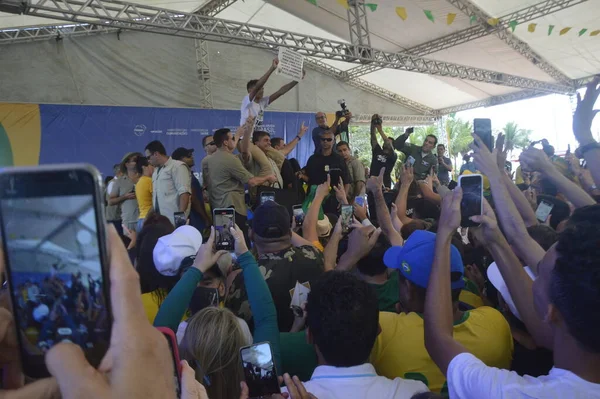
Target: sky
549	117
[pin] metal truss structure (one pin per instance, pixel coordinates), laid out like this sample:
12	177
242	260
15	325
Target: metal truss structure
489	102
213	7
118	14
398	120
357	20
501	29
203	68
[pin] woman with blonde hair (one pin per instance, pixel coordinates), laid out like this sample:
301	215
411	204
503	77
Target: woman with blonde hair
214	336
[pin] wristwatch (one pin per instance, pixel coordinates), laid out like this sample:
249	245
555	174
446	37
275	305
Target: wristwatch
580	152
298	137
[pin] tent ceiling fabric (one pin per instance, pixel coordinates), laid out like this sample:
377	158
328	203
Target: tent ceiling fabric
574	56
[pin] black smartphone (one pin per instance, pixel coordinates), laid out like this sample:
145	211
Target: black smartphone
203	297
267	196
179	219
259	370
298	213
224	220
483	129
172	341
472	201
53	232
347	212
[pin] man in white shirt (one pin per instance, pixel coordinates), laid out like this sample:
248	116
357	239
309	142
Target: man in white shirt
561	305
342	324
255	103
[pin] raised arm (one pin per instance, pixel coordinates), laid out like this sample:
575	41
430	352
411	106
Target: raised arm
309	228
331	250
406	180
582	127
438	315
289	147
244	131
374	185
282	90
519	284
259	297
374	142
535	159
400	143
261	82
173	308
513	226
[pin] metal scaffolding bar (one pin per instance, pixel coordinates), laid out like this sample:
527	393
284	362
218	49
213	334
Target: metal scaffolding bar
398	120
489	102
124	15
213	7
483	29
357	20
203	68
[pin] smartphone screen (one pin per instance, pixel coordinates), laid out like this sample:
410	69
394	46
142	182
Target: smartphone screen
360	200
267	196
53	231
410	161
172	341
543	211
224	220
347	212
298	215
259	370
179	219
472	201
483	128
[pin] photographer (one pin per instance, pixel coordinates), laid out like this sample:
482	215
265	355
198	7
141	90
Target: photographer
336	129
384	157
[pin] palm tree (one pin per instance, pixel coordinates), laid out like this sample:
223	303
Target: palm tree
514	137
418	137
459	137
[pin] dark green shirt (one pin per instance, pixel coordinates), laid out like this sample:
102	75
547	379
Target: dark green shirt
423	164
388	293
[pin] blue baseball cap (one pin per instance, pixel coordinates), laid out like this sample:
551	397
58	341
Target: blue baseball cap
415	258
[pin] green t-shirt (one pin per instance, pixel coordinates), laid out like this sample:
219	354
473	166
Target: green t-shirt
297	356
388	293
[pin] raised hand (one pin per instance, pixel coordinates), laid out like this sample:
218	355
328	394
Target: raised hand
533	159
488	222
360	212
240	242
374	183
585	112
303	130
450	216
407	176
340	192
206	256
323	188
500	152
275	63
486	161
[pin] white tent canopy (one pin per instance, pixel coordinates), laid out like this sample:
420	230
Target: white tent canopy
558	58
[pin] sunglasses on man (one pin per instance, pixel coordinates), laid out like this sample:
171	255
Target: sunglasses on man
326	139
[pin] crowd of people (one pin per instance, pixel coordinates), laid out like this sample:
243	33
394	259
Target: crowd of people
406	304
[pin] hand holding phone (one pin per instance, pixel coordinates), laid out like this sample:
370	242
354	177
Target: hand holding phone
347	212
298	213
172	341
224	220
179	219
543	211
483	129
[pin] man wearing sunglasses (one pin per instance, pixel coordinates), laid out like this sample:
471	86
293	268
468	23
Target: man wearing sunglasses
209	147
322	127
327	163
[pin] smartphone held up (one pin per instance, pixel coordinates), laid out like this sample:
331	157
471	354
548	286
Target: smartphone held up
53	232
259	370
472	200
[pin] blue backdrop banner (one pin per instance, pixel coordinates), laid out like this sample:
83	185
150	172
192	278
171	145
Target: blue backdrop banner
102	135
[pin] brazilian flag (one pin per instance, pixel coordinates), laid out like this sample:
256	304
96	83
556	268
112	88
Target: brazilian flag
6	155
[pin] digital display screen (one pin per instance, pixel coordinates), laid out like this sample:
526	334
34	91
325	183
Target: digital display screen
471	204
56	277
224	221
259	370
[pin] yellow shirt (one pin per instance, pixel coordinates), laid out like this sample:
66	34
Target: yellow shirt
470	299
143	193
151	306
400	348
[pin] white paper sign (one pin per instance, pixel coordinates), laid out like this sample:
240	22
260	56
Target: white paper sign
290	64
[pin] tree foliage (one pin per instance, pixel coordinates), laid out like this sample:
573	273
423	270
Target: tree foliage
515	138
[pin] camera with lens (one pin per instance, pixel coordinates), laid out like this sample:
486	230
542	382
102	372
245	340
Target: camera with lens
377	121
344	112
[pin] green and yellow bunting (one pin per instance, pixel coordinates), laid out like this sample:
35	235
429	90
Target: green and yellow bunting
550	29
513	25
450	18
371	6
401	11
531	28
429	15
564	31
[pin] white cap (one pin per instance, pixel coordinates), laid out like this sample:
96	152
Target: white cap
171	249
498	282
323	227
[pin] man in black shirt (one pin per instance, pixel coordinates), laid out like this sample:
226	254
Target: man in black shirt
327	163
382	157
